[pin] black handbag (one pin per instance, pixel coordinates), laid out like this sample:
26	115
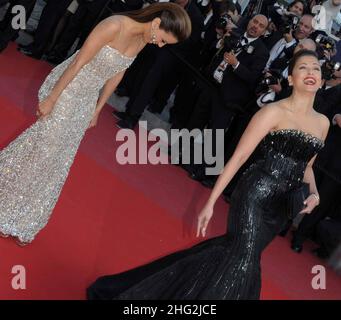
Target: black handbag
295	199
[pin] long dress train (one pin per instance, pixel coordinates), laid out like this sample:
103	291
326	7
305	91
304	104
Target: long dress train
34	167
226	267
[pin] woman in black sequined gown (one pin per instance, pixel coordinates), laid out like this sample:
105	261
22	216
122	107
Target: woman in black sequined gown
289	134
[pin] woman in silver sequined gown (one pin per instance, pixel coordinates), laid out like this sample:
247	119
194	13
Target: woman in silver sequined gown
228	267
34	166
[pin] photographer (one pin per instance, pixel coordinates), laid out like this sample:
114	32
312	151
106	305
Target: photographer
293	31
224	19
330	66
281	19
277	12
235	71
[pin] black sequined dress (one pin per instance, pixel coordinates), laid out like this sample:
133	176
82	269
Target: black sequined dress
226	267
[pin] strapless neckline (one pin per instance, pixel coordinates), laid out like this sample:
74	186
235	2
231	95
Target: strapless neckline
299	132
118	52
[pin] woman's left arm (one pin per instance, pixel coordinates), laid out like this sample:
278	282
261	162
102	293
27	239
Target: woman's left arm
106	93
313	199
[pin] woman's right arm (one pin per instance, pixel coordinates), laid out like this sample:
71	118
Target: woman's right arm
260	125
102	34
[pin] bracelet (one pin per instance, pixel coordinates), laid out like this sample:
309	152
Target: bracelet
316	197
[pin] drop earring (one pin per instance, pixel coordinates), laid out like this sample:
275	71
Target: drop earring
153	36
154	39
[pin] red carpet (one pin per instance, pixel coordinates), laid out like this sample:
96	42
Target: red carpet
112	217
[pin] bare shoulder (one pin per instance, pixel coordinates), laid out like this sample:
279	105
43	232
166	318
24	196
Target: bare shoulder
107	31
267	118
114	23
272	110
324	120
120	21
324	123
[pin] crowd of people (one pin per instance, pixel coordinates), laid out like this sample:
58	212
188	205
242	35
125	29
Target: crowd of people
232	65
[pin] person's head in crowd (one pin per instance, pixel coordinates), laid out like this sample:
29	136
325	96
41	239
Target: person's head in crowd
169	23
205	6
297	7
257	26
227	8
305	27
336	3
304	72
305	44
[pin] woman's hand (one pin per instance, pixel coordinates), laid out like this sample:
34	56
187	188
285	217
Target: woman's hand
45	107
94	120
203	219
310	203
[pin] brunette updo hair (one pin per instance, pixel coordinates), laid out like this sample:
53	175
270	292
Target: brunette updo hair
174	18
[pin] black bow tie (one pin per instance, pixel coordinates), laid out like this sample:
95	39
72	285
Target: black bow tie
242	42
246	41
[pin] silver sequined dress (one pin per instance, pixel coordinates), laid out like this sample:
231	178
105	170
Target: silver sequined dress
34	166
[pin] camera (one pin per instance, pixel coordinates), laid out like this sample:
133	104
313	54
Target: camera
231	42
268	80
223	21
288	22
326	42
328	68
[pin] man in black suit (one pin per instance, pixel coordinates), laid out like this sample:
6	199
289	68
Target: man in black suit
165	69
236	74
284	48
327	167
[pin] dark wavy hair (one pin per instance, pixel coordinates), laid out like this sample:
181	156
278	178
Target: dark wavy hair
297	56
305	7
174	18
